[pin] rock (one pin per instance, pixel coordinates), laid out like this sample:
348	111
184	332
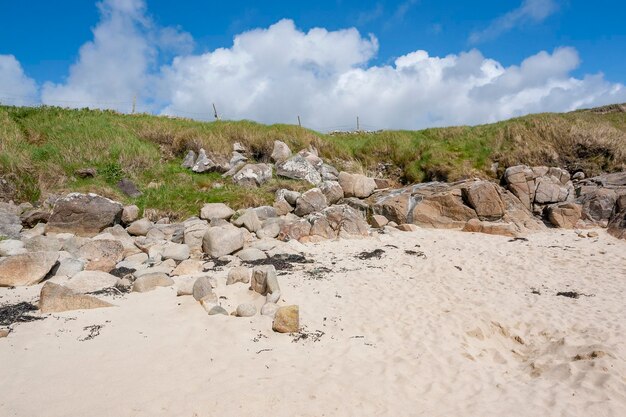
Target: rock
265	212
246	310
215	310
359	205
270	230
238	274
43	244
33	217
281	152
378	221
249	219
328	172
12	247
383	183
294	230
101	255
597	205
484	198
26	269
564	215
220	241
310	202
407	227
139	227
83	214
203	288
592	234
56	298
287	319
617	223
129	188
444	210
260	276
86	173
356	185
298	168
549	190
394	205
269	309
203	163
10	222
68	266
332	191
346	221
253	175
578	176
151	281
478	226
290	196
90	281
130	214
188	267
4	333
194	233
251	254
520	181
176	251
189	160
216	211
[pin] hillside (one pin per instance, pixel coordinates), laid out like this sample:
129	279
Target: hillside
41	148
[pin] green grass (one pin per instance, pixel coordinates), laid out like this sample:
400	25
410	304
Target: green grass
41	148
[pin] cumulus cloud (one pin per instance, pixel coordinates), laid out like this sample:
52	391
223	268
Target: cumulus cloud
15	87
530	11
274	74
120	60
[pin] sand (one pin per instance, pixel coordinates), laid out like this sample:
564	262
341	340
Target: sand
473	327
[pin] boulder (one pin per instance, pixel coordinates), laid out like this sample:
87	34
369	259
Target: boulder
356	185
328	172
484	198
265	212
83	214
90	281
203	163
220	241
10	222
268	230
617	223
597	205
26	269
190	160
332	191
394	205
249	219
269	309
55	298
151	281
239	274
130	214
281	151
11	247
188	267
43	244
294	230
287	319
298	168
251	254
564	215
194	231
203	288
311	201
520	181
265	282
101	255
176	251
139	227
33	217
479	226
245	310
444	210
253	175
346	221
378	221
216	211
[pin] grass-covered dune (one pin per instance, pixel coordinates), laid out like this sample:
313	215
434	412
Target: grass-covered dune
41	148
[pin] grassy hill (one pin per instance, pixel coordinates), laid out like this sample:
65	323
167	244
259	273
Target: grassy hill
40	149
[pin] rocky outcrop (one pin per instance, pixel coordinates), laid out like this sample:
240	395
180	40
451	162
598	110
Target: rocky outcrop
484	198
83	214
564	215
537	186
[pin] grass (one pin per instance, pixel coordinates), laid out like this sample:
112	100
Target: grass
41	148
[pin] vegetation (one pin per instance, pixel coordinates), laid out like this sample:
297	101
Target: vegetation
41	148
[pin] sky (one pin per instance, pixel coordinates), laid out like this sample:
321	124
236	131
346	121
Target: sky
404	64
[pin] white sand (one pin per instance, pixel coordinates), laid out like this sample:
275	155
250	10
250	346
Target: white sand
403	336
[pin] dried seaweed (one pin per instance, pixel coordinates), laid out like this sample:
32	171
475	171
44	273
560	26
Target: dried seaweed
281	261
376	253
16	313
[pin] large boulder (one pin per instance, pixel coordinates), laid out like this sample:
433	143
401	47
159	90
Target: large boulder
298	168
617	224
564	215
83	214
253	175
294	230
345	221
90	281
597	205
222	240
332	191
140	227
356	185
216	211
443	210
249	219
538	186
203	163
310	202
281	151
484	198
26	269
102	254
55	298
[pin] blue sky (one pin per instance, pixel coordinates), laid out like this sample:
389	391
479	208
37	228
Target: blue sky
482	60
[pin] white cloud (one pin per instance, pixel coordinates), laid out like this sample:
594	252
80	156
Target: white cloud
119	62
530	11
275	74
15	87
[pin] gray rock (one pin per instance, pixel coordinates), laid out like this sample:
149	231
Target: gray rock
216	211
10	222
202	288
203	163
269	309
26	269
102	254
12	247
176	251
151	281
238	274
281	151
83	214
194	232
130	214
189	160
270	230
310	202
69	266
140	227
129	188
249	219
356	185
90	281
251	254
215	310
332	191
328	172
265	282
253	175
265	212
298	168
246	310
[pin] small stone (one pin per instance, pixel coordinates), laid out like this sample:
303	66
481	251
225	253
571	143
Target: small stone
246	310
3	333
251	254
140	227
239	274
592	234
379	221
202	288
215	310
287	319
407	227
151	281
269	309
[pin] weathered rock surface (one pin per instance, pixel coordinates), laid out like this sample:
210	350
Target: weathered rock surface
90	281
246	310
298	168
26	269
190	160
479	226
617	224
56	298
287	319
249	219
310	202
224	240
151	281
253	175
130	214
83	214
281	151
11	247
564	215
216	211
102	255
203	288
332	191
484	198
239	274
356	185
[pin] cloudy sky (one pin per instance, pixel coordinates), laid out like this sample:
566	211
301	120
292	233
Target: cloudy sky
395	64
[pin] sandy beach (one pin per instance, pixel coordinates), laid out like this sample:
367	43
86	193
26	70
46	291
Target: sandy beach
443	323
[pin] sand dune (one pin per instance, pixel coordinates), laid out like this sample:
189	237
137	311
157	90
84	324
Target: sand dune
460	325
